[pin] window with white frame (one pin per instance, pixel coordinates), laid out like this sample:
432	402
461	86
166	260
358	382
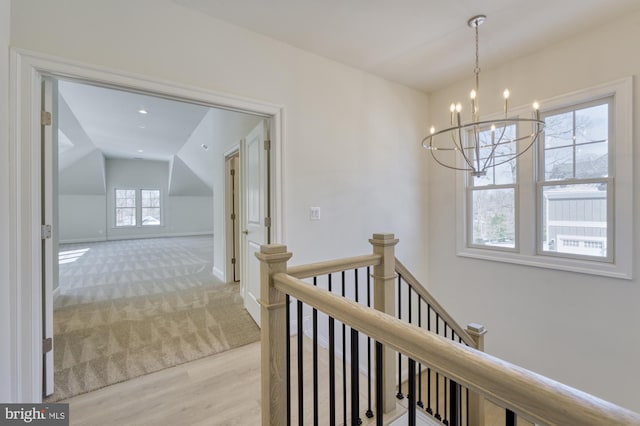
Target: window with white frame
137	206
125	207
575	191
567	204
492	197
150	203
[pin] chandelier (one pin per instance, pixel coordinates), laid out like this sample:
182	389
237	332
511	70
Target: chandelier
480	145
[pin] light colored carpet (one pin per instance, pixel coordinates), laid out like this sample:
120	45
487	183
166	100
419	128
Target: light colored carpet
128	308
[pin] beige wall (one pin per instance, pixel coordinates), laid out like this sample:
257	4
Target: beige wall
575	328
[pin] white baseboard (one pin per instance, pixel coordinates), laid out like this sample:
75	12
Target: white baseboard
82	240
164	235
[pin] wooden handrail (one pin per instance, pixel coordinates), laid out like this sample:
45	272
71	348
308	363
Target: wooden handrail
331	266
426	296
530	395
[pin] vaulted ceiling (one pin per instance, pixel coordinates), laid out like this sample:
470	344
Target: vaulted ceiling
424	44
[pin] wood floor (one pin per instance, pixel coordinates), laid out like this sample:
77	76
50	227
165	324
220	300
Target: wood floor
222	389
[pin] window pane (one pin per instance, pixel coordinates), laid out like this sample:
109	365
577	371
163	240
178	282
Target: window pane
592	124
493	217
592	160
125	207
150	216
558	130
575	219
502	143
150	207
558	163
126	216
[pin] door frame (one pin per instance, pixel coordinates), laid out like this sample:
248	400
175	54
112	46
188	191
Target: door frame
25	260
232	227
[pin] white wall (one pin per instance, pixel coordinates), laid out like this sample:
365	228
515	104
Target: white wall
351	139
230	128
82	218
578	329
5	294
181	215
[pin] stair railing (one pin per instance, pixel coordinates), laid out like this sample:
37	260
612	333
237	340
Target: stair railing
534	397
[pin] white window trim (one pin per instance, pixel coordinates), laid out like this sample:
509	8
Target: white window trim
527	216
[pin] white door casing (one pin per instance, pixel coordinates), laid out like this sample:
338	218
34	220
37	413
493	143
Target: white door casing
255	193
49	151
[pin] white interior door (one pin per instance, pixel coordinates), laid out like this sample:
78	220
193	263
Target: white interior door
254	157
49	147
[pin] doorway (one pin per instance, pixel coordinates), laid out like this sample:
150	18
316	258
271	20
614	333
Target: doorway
32	69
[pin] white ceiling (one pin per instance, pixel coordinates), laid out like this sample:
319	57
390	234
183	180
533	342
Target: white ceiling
111	120
424	44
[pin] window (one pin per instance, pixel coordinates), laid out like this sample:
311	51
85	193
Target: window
492	197
574	183
125	207
135	206
150	207
565	204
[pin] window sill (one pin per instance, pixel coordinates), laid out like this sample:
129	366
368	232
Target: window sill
603	269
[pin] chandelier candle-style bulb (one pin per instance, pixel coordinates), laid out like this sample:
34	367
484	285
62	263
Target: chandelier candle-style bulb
506	94
479	145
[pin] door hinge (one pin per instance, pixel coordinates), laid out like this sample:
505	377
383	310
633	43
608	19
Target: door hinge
47	345
45	118
267	145
233	216
233	261
45	232
233	172
267	222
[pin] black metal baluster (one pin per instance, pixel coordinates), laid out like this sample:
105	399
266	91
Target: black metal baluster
379	403
429	409
410	395
300	368
510	418
315	362
288	358
420	403
445	396
344	362
332	368
411	392
399	395
454	398
355	383
437	416
355	366
369	412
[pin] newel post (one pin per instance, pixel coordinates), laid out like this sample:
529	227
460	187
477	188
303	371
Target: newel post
273	334
476	401
384	276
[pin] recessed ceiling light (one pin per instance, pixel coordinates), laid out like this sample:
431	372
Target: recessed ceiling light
205	147
142	111
140	150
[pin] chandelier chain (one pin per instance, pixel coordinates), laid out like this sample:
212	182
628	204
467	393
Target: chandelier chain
477	68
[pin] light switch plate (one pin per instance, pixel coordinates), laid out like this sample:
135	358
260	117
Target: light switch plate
314	213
